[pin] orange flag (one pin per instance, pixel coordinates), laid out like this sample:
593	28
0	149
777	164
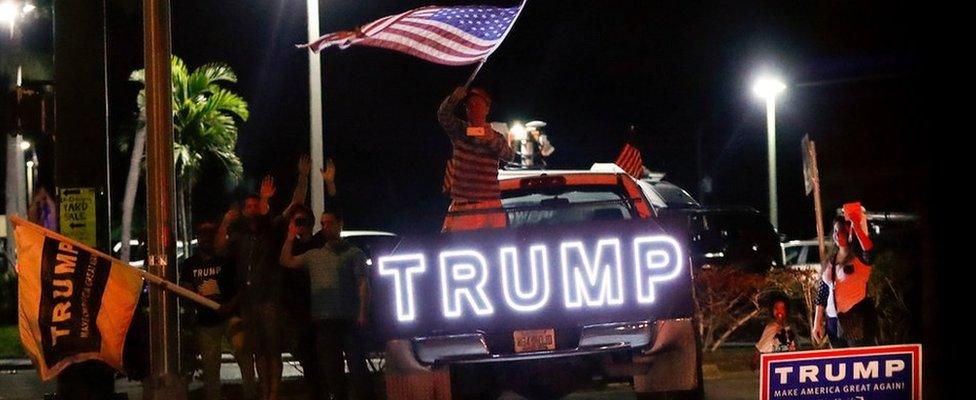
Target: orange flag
75	303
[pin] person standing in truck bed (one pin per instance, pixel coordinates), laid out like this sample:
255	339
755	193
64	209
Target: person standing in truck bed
471	176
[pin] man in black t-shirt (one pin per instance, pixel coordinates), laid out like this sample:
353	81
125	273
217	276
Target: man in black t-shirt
214	277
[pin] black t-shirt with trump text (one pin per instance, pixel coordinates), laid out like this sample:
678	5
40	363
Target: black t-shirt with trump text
213	278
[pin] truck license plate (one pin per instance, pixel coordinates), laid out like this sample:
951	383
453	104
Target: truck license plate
535	340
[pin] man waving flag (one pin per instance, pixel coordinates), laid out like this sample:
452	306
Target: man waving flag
444	35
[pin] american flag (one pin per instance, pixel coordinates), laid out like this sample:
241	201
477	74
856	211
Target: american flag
443	35
630	161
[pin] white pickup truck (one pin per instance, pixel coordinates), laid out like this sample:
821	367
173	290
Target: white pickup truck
583	285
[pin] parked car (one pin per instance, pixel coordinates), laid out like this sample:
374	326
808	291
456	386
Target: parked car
801	254
737	237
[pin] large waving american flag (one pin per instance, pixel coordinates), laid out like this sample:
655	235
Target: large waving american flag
444	35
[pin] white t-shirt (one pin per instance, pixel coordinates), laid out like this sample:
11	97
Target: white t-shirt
775	338
831	308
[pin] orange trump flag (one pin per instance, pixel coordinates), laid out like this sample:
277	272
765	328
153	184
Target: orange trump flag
75	303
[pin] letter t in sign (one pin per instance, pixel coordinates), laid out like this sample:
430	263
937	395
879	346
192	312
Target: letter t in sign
403	269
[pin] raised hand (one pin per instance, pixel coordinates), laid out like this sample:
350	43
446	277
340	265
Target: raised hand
267	187
459	92
328	173
304	165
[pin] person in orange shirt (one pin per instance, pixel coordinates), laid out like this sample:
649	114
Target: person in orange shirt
844	283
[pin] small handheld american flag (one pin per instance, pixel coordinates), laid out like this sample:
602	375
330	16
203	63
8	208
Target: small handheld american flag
444	35
630	160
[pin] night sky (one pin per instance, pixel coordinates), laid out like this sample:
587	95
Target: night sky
681	73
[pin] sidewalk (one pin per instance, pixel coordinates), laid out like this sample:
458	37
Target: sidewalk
722	381
24	384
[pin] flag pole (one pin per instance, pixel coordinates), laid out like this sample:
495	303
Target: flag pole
315	127
817	205
505	35
163	284
475	72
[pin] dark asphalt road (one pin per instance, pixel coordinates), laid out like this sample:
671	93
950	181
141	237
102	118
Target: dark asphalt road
24	385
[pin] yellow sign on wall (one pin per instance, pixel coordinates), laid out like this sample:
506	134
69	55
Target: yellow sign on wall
78	215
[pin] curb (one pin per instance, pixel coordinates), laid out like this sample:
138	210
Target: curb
15	364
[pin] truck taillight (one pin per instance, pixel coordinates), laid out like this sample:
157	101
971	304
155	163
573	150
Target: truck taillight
542	181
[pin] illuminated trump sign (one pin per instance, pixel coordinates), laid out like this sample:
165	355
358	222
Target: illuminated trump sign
518	279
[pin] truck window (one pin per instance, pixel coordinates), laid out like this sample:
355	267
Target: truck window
566	204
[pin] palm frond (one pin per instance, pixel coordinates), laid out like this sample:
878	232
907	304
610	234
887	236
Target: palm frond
217	72
205	117
224	101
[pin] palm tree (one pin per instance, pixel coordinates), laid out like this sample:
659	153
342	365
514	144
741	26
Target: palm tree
205	117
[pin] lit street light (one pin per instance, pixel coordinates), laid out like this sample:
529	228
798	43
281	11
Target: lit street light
11	11
768	88
519	132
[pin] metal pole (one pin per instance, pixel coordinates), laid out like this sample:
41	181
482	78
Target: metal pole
11	191
22	194
164	382
315	110
771	151
817	204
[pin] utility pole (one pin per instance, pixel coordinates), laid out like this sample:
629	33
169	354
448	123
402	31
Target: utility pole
164	382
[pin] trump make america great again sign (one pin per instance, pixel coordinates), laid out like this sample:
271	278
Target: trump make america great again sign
866	373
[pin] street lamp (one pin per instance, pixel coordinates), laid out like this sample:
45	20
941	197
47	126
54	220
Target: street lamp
11	10
768	88
519	132
519	137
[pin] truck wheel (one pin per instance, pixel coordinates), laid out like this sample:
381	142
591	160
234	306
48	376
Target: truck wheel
407	379
673	364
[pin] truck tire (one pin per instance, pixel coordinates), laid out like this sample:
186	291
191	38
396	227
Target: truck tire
407	379
674	363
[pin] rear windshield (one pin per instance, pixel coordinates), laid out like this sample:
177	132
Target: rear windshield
566	204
